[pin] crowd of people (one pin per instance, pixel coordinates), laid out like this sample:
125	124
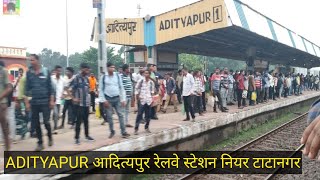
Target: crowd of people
40	93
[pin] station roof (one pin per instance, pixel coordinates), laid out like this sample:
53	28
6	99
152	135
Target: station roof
219	28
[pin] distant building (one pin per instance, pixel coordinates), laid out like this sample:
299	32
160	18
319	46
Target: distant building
14	58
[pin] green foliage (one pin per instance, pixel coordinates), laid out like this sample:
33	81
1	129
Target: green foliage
196	62
51	58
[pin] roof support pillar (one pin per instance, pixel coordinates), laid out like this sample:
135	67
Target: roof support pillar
251	55
152	55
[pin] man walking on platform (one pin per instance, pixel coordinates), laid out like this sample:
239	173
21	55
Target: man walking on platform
187	93
58	84
198	93
5	90
144	91
171	93
215	86
155	76
39	89
230	95
224	88
67	95
112	94
127	84
93	89
81	99
179	80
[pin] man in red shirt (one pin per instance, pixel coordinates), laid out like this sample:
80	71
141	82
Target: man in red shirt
240	82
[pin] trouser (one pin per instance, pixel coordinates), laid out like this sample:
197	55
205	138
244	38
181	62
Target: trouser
28	114
224	94
276	94
126	113
251	102
4	125
217	93
143	109
281	91
297	90
179	94
266	93
154	109
188	106
68	106
82	116
114	103
230	95
241	100
56	113
36	110
262	94
12	121
204	104
294	89
290	91
172	98
103	112
235	94
93	102
198	104
271	93
286	91
258	91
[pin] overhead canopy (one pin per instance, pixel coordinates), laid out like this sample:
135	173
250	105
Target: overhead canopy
221	28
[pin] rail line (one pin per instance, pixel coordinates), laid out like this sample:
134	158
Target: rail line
285	137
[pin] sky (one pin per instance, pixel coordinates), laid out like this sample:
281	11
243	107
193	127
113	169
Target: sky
42	23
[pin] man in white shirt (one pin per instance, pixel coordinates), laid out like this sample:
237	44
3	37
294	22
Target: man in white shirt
67	95
187	94
271	88
58	84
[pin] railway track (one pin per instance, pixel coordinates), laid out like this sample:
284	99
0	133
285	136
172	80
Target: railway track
284	138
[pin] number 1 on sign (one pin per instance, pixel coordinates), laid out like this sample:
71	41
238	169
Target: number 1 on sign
217	14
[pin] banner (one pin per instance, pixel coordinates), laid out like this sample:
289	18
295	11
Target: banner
11	7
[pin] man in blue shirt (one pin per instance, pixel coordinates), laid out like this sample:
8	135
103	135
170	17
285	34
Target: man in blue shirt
112	94
39	89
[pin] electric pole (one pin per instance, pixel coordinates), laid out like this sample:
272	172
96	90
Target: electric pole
102	49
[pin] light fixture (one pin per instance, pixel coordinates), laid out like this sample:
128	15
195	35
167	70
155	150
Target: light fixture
147	18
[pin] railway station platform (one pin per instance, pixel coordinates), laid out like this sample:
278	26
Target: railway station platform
168	129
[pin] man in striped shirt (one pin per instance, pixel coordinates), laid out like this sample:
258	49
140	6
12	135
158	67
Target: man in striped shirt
258	84
127	84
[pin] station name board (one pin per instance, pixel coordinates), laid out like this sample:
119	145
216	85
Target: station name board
193	19
127	31
14	52
214	16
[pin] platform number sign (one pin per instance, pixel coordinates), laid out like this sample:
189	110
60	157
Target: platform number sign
217	14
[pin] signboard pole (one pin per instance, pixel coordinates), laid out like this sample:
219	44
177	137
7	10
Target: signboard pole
102	51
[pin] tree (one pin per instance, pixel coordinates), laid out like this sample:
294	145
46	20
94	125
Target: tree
90	56
197	62
50	59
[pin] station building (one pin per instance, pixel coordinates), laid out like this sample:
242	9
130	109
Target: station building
14	58
217	28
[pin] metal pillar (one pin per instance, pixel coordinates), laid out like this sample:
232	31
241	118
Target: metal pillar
67	33
102	50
